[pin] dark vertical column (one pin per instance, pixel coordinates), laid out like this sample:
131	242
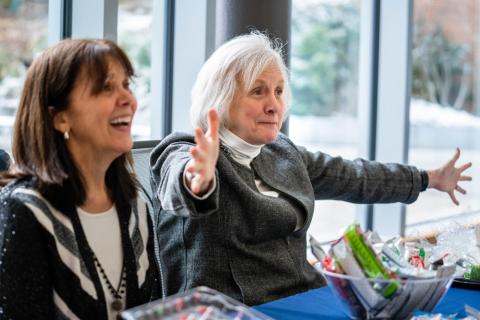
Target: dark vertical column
374	101
66	17
236	17
168	75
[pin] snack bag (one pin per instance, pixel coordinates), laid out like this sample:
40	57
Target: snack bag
368	260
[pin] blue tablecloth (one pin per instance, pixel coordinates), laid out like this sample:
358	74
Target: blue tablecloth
322	304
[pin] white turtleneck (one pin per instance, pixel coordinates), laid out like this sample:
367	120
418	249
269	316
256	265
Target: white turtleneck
243	153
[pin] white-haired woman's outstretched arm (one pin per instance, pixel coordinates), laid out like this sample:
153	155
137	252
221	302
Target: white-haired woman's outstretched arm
447	177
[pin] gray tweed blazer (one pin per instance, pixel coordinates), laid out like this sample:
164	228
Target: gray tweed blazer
243	243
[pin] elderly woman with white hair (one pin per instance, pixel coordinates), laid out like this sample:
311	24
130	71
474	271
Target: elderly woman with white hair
234	201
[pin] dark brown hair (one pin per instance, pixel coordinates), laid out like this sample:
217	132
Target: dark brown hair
39	151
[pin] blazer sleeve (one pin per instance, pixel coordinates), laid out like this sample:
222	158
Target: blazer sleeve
26	288
168	187
361	181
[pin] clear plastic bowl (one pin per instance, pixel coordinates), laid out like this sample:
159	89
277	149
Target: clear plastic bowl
201	303
386	299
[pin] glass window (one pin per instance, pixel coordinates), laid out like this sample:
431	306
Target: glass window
135	36
324	78
445	105
23	34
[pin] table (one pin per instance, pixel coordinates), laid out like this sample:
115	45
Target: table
322	304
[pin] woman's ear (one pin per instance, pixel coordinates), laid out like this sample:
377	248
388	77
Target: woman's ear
59	119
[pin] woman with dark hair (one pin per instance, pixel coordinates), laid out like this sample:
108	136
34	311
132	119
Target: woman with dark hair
75	238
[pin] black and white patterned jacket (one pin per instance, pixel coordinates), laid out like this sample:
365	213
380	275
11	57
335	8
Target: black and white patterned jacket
46	271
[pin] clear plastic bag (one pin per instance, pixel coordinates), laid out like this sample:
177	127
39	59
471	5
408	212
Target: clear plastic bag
201	303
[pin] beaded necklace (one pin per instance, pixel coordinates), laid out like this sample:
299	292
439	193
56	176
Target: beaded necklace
117	294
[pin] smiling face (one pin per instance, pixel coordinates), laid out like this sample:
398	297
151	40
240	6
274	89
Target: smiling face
256	114
99	124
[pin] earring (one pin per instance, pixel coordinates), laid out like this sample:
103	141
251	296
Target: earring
66	136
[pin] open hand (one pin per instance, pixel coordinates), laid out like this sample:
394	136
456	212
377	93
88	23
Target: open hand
447	177
200	170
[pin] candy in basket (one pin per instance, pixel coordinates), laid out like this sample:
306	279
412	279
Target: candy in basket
377	280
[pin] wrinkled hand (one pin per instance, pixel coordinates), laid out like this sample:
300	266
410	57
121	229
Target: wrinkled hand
447	177
200	170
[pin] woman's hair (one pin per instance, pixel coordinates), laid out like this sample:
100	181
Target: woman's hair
40	151
234	66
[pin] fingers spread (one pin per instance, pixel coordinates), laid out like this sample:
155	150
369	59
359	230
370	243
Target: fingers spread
204	154
454	199
199	162
460	189
200	138
465	167
455	157
213	124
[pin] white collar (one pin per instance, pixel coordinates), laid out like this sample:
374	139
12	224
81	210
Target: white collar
240	150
